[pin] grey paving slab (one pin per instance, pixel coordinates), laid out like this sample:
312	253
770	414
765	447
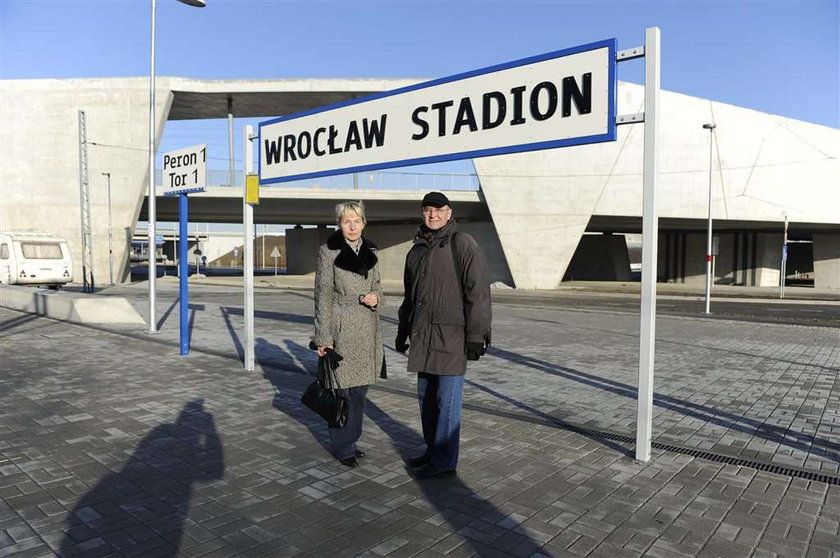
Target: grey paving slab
113	444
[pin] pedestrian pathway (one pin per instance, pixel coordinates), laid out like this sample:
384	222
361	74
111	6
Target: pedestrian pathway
112	444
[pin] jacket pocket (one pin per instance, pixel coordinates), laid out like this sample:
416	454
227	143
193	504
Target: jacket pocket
447	330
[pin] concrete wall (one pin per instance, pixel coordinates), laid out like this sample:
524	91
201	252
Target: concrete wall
302	248
39	147
768	260
540	199
546	198
827	261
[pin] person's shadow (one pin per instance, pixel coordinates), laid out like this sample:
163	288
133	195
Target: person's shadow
141	509
450	494
276	361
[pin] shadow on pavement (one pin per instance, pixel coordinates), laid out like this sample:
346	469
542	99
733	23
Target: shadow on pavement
474	519
226	313
18	321
143	506
618	448
285	399
165	315
278	316
783	436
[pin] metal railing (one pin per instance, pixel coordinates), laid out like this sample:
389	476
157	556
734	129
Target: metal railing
374	180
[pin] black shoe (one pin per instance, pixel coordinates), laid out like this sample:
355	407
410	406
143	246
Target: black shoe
350	461
419	461
430	471
360	454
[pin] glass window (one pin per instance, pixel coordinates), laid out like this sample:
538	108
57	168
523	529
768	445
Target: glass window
40	251
4	251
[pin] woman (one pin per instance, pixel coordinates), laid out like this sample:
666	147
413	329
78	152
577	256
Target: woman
347	296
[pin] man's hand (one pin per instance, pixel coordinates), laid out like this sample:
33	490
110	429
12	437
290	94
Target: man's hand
400	343
475	349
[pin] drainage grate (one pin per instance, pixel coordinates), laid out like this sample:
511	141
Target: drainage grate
546	420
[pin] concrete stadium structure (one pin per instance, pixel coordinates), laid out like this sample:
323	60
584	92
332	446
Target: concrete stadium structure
530	214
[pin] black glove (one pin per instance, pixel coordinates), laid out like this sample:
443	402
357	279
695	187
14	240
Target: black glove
400	343
475	349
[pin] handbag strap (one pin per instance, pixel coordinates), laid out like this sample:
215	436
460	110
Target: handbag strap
330	378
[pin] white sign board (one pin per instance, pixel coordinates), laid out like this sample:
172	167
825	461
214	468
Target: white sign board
557	99
184	170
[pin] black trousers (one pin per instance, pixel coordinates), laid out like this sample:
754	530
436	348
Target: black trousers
343	440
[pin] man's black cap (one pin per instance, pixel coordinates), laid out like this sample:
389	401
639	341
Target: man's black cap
435	199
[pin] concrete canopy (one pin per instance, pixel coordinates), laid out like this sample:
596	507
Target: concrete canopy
765	167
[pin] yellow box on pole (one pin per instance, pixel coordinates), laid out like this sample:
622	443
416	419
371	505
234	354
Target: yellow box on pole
252	189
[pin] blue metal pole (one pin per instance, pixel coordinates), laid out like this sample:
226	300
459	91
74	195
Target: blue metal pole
183	260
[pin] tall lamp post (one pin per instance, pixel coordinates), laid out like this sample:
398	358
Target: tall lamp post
151	204
709	257
107	176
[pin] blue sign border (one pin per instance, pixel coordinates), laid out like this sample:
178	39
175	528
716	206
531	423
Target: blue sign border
610	135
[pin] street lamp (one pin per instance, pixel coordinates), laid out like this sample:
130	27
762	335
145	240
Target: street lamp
151	203
107	176
709	257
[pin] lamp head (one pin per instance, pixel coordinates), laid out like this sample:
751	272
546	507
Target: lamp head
196	3
709	126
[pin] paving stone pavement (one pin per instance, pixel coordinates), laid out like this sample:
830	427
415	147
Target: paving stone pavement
111	444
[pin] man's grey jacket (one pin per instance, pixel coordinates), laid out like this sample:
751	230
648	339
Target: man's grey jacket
444	308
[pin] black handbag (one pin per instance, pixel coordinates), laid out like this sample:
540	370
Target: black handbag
323	395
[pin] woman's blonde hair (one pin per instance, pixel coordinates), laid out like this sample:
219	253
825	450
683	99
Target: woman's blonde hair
342	209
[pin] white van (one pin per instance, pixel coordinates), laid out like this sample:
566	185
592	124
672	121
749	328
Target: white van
33	258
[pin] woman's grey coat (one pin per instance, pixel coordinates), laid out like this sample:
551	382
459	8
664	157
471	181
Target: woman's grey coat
354	330
444	307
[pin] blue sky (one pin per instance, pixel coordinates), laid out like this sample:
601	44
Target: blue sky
774	56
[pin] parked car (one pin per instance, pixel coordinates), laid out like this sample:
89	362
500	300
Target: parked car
34	258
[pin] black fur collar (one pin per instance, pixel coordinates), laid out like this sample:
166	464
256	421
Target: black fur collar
348	260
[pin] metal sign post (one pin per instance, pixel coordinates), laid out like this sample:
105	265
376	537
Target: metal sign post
183	272
184	171
784	260
276	255
650	232
248	247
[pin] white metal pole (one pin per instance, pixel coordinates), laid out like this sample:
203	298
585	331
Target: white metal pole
784	261
110	232
709	256
247	246
650	221
151	196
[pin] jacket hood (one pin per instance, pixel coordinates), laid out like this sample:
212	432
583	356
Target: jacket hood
347	258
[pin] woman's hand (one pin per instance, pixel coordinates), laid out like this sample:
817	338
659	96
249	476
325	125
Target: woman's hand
371	300
322	349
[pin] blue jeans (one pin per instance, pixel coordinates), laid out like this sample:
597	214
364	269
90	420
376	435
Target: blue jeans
440	412
343	440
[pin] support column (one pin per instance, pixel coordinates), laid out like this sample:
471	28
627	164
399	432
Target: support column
826	261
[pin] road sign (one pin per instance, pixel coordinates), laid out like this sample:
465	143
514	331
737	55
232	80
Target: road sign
276	255
252	189
184	170
552	100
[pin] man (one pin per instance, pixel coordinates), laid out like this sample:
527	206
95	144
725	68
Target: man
446	315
